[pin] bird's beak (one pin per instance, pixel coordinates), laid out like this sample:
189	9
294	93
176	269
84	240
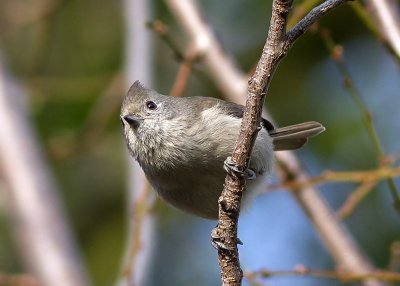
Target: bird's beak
132	120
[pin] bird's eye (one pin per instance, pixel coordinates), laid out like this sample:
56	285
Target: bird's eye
151	105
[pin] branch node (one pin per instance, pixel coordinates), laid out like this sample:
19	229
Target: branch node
229	209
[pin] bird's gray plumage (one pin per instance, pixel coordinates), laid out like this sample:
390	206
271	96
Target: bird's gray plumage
181	145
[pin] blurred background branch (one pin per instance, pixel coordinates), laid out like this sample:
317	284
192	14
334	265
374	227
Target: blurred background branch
342	276
384	23
336	52
223	71
386	14
142	220
39	222
18	280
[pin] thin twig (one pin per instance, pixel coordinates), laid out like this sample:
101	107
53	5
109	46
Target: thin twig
329	274
101	112
18	280
139	211
355	198
222	70
336	177
313	16
186	59
184	72
366	18
162	30
394	262
337	55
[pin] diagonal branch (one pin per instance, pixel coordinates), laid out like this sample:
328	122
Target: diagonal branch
229	202
232	83
276	47
222	70
387	16
313	16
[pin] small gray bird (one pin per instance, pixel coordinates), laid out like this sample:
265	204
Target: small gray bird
181	144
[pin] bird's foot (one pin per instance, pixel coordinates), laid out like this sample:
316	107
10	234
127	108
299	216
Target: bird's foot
217	243
251	175
232	168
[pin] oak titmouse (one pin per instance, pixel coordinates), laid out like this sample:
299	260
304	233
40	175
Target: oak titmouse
181	144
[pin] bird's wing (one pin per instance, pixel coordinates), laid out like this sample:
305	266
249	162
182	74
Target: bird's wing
285	138
237	110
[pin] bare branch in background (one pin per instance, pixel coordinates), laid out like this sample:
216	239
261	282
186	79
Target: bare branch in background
335	236
394	263
141	238
40	225
184	72
387	16
381	173
186	59
336	52
355	198
223	71
384	23
342	276
18	280
233	84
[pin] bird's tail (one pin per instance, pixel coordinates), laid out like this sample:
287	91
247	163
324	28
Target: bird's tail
294	136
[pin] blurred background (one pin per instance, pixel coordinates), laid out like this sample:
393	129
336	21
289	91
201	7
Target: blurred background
70	59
